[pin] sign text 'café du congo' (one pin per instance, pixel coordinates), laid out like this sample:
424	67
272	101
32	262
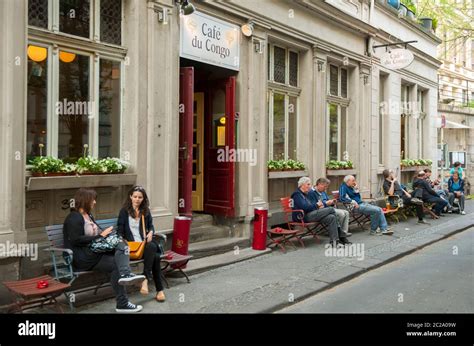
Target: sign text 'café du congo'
210	40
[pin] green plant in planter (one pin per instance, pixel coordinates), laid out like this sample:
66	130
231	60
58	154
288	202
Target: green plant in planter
47	164
288	165
410	5
334	164
113	165
417	162
87	164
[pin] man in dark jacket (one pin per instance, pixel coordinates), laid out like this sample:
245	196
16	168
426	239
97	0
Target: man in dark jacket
316	212
428	194
393	189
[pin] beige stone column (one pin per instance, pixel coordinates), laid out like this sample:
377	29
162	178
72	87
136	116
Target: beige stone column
151	117
364	129
319	140
13	68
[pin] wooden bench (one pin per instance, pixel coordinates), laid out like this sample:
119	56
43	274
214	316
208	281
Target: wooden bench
63	270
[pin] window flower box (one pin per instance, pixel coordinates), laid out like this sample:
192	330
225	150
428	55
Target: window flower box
340	172
47	166
78	181
285	166
411	165
287	174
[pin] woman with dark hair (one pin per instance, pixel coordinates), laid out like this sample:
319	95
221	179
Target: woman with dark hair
456	186
130	227
80	230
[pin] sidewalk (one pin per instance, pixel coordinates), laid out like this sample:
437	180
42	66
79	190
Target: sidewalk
277	280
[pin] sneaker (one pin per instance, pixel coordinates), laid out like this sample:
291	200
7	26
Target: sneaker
129	308
416	201
387	231
463	213
344	241
130	279
376	232
336	244
347	235
423	222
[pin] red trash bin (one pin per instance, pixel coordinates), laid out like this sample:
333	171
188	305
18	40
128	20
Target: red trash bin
181	229
260	229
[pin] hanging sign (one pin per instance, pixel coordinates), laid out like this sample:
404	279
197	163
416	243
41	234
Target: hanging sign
210	40
397	58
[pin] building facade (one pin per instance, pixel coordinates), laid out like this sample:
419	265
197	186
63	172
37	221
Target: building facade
456	99
174	94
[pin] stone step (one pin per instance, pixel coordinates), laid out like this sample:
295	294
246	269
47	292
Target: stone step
203	264
208	232
201	219
216	246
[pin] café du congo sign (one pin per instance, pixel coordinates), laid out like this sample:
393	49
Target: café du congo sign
396	58
210	40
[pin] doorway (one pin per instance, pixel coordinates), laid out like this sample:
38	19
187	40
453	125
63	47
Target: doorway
198	153
207	130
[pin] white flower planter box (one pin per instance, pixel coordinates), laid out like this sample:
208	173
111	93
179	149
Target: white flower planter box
78	181
287	174
337	172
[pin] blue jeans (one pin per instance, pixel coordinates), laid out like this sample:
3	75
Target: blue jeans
377	218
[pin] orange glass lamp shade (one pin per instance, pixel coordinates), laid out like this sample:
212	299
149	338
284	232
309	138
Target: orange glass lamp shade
36	53
67	57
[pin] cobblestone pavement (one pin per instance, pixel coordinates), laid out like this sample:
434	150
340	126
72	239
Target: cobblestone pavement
276	280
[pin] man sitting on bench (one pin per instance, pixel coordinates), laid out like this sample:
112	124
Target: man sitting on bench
319	191
316	212
349	194
393	189
428	194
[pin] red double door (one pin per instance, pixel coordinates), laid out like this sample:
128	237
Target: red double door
219	175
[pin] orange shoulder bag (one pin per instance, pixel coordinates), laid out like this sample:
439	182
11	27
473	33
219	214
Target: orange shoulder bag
137	248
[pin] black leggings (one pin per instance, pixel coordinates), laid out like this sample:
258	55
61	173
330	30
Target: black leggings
152	269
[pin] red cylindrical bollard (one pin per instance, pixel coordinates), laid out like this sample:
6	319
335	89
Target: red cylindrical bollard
260	229
181	229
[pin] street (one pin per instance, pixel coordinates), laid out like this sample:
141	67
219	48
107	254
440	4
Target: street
435	279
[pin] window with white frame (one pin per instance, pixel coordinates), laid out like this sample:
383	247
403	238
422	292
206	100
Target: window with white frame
74	90
337	118
283	94
337	81
421	101
404	120
457	156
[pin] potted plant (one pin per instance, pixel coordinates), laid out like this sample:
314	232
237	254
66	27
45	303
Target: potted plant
411	8
334	164
402	10
427	23
285	165
50	166
435	24
394	3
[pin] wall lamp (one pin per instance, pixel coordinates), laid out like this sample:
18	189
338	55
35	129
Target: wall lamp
258	46
163	16
321	66
247	29
185	7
